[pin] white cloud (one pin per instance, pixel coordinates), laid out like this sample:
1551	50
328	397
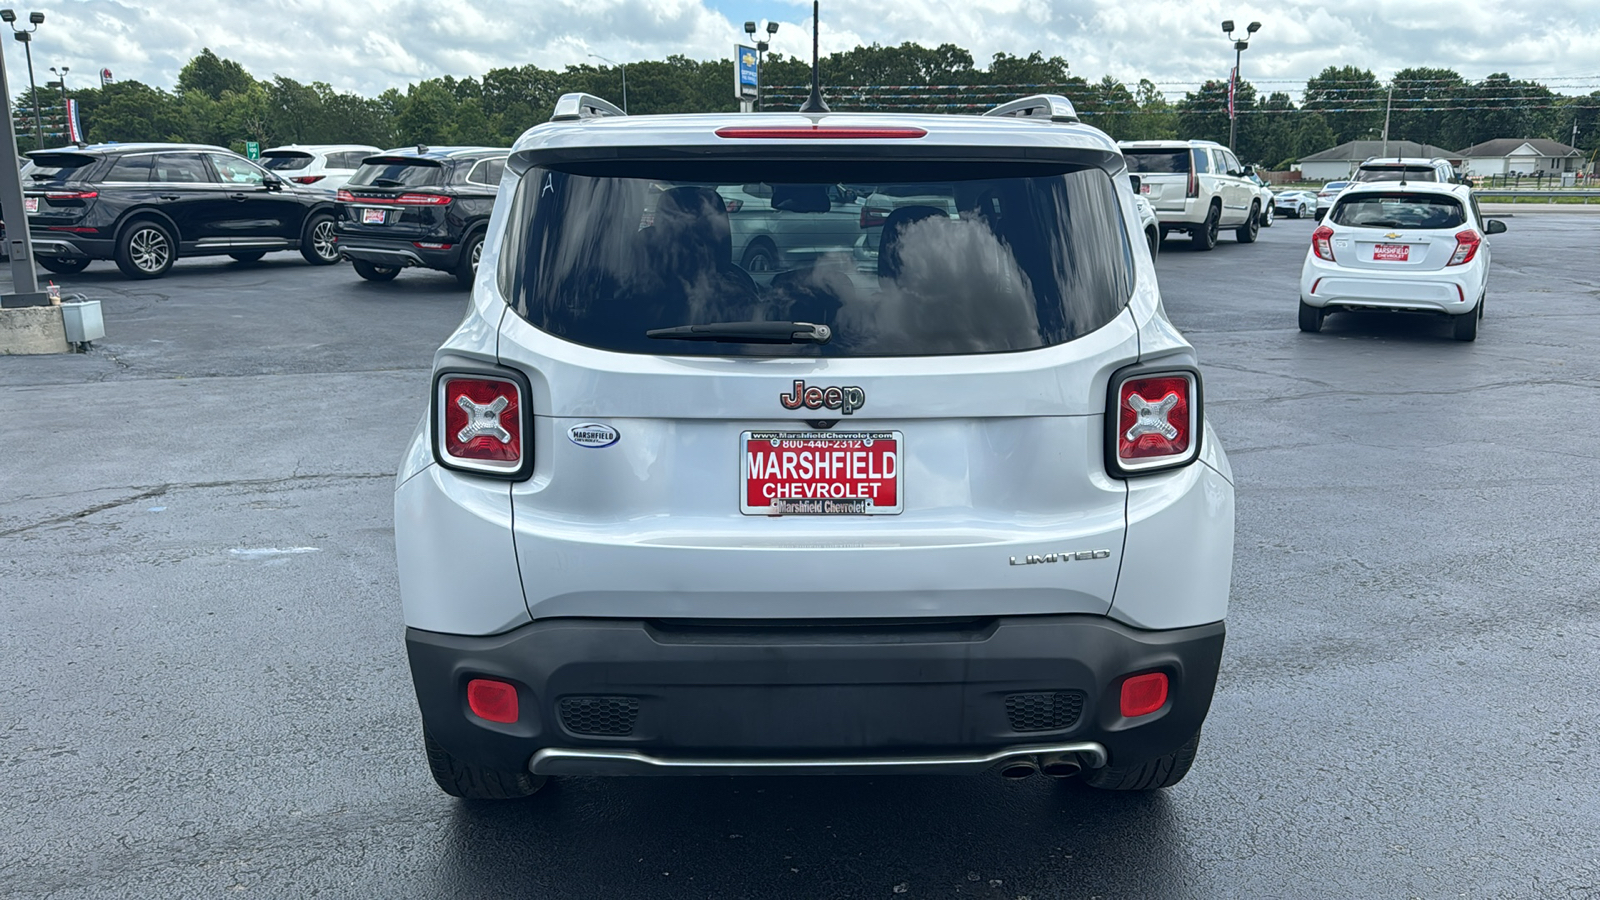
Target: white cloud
369	45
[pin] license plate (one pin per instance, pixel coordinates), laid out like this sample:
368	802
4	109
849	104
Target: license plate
820	473
373	216
1144	188
31	204
1391	252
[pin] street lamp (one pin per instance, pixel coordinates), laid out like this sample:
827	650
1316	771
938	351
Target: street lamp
624	69
1240	44
25	35
61	82
761	47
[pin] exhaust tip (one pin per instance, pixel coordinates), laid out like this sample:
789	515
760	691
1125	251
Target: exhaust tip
1061	767
1018	769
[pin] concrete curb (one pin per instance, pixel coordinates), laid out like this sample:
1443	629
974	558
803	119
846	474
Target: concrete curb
1508	209
32	329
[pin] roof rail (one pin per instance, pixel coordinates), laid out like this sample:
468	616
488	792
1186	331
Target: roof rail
572	107
1057	107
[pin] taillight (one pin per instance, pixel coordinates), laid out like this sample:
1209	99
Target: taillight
307	179
72	195
1143	694
873	217
1467	243
492	700
734	206
345	196
1194	184
480	422
422	200
1322	243
1154	422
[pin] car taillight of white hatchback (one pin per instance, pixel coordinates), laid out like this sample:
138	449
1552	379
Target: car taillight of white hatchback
479	424
1154	422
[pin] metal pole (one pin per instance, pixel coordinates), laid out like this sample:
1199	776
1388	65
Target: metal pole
24	280
1388	108
1233	113
38	120
624	68
759	105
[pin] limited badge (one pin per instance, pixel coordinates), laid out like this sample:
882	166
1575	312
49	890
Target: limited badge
593	434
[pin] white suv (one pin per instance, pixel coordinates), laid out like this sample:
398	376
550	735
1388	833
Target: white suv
1406	168
1197	187
324	166
958	509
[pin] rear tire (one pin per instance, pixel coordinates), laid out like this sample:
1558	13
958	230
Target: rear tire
470	782
65	266
1205	238
1153	238
759	257
1311	317
1266	216
146	249
250	257
317	245
1251	227
1158	773
467	267
1466	326
374	273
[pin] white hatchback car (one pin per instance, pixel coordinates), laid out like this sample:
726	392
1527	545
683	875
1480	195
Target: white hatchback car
1414	247
1327	194
325	166
963	511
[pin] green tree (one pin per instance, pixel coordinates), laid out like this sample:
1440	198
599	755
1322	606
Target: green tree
213	76
1420	110
1156	119
1350	99
129	111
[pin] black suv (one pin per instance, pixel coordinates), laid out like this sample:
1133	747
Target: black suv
422	207
145	205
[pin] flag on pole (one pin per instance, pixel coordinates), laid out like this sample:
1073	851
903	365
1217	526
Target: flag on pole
74	130
1233	86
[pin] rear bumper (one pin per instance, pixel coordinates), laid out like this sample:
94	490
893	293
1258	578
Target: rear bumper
401	253
54	247
610	696
1334	286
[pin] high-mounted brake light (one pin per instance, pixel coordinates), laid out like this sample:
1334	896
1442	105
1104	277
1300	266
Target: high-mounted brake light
874	216
1467	244
402	200
1322	243
1143	694
479	424
492	700
72	195
307	179
820	132
1155	421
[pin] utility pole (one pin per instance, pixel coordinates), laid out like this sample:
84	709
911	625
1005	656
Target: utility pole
24	280
1389	107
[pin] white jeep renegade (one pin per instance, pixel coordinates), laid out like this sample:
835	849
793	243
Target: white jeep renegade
943	500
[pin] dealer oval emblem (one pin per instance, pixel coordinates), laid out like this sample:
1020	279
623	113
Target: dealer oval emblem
593	434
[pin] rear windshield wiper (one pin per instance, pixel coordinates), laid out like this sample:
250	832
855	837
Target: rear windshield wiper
387	182
747	333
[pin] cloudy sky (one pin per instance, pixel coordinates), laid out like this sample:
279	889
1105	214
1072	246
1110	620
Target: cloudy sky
368	45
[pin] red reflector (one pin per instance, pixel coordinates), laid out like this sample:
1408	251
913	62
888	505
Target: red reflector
1144	694
482	420
345	196
873	216
75	229
496	701
429	245
72	195
813	132
308	179
1153	417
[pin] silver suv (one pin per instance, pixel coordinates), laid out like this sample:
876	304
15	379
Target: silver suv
1406	168
950	505
1199	188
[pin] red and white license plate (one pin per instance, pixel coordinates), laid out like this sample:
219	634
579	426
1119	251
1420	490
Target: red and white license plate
1144	188
31	204
1391	252
821	473
373	216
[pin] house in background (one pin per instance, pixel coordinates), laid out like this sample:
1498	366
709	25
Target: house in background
1340	162
1521	156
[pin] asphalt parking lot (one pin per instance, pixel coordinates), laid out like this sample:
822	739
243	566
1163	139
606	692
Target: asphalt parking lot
207	693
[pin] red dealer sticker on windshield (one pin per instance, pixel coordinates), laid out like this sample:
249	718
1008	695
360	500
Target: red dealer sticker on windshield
818	473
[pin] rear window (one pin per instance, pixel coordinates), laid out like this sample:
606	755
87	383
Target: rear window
911	258
397	172
1396	173
285	162
1398	210
56	168
1157	162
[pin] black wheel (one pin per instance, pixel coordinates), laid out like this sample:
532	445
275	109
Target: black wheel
467	268
316	242
65	266
1158	773
760	256
1251	227
470	782
1153	237
252	256
1466	326
1320	214
1481	301
146	249
374	273
1311	317
1205	237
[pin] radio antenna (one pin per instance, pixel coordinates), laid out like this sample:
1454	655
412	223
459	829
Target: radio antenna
815	103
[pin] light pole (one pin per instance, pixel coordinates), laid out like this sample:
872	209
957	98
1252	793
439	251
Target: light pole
761	47
624	69
24	280
61	82
25	35
1240	45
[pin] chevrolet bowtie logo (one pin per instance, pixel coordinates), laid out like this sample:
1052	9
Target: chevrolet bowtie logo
1391	235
